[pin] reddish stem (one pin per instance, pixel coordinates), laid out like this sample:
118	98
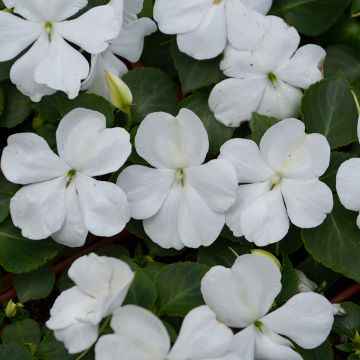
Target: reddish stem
346	294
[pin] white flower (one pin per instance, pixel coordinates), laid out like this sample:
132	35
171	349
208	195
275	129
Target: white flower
267	80
242	296
181	201
203	27
278	181
63	200
52	63
128	45
101	287
140	335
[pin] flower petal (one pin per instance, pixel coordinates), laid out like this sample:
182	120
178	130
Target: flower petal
234	100
215	182
133	7
261	6
304	68
241	295
307	201
201	336
208	40
306	318
244	155
28	159
348	184
145	188
39	209
244	343
92	30
103	205
165	141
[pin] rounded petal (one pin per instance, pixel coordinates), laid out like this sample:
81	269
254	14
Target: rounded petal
133	7
16	35
39	209
241	295
201	336
261	6
28	159
307	201
247	160
207	40
165	141
307	319
244	343
215	182
103	205
92	30
265	221
289	151
348	184
145	188
234	100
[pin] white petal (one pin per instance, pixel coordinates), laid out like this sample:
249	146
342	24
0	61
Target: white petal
215	182
28	159
307	201
130	42
207	40
201	336
103	205
163	227
39	209
23	71
247	160
291	152
165	141
241	295
265	220
348	184
234	100
73	232
145	188
139	334
62	68
261	6
16	35
304	68
133	7
92	30
244	343
306	319
174	17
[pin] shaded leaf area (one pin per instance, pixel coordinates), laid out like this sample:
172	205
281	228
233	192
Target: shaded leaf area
7	191
348	324
323	352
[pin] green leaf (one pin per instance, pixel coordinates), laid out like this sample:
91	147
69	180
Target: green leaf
350	323
51	349
5	69
147	10
323	352
336	242
328	108
355	8
289	281
2	101
7	191
21	332
153	269
260	124
178	288
153	91
218	133
36	284
15	352
195	74
310	17
20	255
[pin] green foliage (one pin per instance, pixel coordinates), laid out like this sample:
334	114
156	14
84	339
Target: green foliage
7	190
15	352
289	280
349	323
323	352
51	349
259	125
21	332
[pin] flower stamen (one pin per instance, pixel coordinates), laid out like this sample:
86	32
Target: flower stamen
272	77
259	325
69	176
48	27
180	176
275	180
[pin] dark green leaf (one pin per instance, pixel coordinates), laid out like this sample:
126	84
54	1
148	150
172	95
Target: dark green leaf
260	124
2	101
5	69
289	281
51	349
323	352
21	332
355	8
153	269
7	191
15	352
350	323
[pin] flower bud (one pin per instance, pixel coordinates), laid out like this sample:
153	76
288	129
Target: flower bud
10	309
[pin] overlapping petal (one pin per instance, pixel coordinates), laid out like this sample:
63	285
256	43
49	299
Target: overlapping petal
244	343
261	6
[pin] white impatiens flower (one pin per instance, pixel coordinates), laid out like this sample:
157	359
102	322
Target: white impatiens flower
242	296
268	80
278	180
62	199
128	45
203	27
140	335
101	285
181	201
52	63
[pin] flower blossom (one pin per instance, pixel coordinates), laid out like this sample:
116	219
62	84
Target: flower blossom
128	45
139	334
62	199
203	27
52	63
268	80
101	285
242	296
278	180
181	200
